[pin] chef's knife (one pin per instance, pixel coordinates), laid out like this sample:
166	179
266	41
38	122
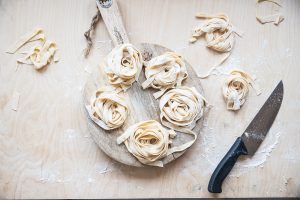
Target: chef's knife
249	142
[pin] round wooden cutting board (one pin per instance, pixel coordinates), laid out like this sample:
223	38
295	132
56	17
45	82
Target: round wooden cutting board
142	106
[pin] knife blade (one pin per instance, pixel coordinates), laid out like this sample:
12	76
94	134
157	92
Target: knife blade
250	140
257	130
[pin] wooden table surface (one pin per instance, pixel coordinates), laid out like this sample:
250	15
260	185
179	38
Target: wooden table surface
45	147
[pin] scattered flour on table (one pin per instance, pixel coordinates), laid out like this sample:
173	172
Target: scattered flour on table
214	152
265	44
71	134
88	69
287	53
15	101
90	180
3	127
109	166
264	151
52	173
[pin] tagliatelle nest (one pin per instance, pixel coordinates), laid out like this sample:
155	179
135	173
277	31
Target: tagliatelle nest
123	66
219	34
181	108
148	141
163	72
236	88
218	31
107	109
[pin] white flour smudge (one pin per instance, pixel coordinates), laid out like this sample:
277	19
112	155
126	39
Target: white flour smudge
71	134
88	69
265	44
3	127
15	101
213	153
260	156
90	180
51	173
107	167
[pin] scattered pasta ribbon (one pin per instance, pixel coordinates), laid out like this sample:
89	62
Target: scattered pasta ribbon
181	108
236	89
163	72
107	109
41	54
271	1
123	66
149	142
36	34
215	68
275	18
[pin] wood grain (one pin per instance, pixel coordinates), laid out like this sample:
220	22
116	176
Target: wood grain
113	20
45	147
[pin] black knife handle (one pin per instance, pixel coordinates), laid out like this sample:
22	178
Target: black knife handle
225	166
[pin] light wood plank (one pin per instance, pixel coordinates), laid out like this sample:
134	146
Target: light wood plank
45	147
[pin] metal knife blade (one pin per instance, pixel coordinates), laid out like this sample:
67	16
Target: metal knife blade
257	130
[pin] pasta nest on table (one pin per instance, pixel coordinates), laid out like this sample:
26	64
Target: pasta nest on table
236	89
181	108
218	31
